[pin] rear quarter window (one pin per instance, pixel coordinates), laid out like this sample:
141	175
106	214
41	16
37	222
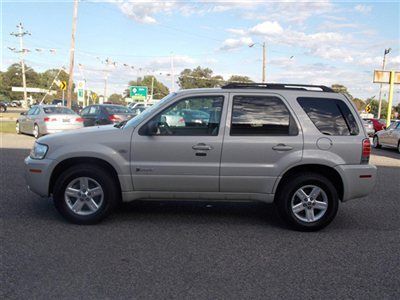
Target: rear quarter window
330	116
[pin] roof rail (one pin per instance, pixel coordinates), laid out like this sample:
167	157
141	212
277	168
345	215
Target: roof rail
278	86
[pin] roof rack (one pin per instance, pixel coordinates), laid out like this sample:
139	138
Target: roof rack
279	86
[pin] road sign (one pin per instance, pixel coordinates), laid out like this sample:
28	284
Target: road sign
392	78
31	90
94	96
368	108
63	85
138	93
384	77
81	91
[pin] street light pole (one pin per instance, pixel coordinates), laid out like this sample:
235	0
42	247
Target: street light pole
264	58
72	55
387	51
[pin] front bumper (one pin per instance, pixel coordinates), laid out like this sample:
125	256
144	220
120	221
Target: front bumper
358	180
37	175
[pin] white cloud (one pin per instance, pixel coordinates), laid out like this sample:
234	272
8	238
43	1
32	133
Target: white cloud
231	44
334	54
267	28
165	62
364	9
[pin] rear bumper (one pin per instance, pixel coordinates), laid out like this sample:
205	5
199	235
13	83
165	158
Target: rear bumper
358	180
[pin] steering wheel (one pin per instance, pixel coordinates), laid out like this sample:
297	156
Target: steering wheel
164	128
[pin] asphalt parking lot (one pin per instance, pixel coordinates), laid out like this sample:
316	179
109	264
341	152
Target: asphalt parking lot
158	250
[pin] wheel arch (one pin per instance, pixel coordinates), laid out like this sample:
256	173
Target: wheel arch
69	162
326	171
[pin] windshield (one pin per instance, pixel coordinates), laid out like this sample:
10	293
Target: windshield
118	110
58	111
139	118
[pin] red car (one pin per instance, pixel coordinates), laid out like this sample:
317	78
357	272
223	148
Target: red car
377	125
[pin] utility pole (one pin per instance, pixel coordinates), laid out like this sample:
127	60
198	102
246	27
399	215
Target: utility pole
105	88
172	74
72	55
21	34
263	62
387	51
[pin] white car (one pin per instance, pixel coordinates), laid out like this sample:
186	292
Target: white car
45	119
389	137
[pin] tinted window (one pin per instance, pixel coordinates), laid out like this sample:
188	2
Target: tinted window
93	110
330	116
117	110
261	115
31	111
85	111
183	117
58	111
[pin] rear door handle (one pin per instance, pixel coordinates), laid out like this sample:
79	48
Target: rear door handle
202	146
282	147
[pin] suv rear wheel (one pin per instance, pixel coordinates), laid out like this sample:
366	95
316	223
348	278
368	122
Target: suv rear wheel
85	194
307	201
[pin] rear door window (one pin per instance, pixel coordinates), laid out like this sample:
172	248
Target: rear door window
261	115
330	116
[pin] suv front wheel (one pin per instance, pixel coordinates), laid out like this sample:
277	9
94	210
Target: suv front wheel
85	194
307	201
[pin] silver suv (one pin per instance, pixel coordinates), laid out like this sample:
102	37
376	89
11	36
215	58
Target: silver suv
302	147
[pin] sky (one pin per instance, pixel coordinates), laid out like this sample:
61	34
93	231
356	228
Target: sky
310	42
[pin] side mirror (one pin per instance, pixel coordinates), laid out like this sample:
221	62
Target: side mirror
151	128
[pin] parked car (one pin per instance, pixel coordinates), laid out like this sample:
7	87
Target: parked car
16	103
378	124
44	119
389	137
134	105
3	107
303	148
195	116
104	114
369	127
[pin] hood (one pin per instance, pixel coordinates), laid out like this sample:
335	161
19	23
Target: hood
82	135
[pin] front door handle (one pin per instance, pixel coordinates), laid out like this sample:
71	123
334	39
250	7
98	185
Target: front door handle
202	146
282	147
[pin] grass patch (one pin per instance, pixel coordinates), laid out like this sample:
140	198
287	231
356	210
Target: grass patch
7	127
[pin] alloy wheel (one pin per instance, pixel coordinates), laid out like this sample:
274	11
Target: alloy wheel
309	203
84	196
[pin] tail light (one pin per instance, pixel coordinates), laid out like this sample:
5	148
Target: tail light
181	120
366	151
47	119
79	120
114	118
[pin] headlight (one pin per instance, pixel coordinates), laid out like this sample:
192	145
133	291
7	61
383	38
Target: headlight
39	151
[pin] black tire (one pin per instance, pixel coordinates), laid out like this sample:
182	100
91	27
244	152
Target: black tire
105	180
398	146
375	142
17	128
291	185
36	128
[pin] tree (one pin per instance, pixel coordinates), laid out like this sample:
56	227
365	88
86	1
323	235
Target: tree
374	107
239	78
13	77
199	78
116	99
339	88
159	89
360	104
47	78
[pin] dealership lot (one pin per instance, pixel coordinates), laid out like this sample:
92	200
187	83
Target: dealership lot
198	249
